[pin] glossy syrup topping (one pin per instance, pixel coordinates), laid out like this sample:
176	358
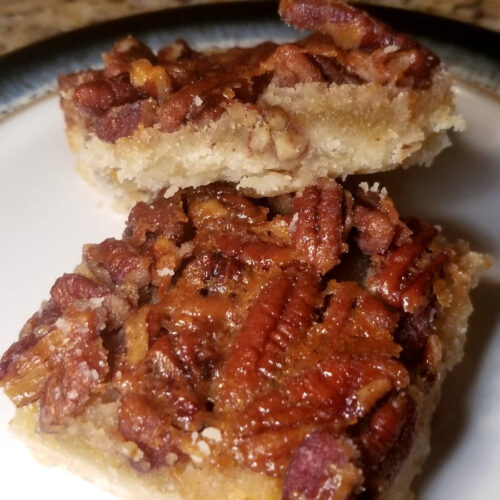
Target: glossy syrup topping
286	330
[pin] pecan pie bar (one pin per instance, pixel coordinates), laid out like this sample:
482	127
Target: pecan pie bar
354	96
247	348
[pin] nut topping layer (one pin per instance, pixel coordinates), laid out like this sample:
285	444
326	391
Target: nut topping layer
231	317
179	85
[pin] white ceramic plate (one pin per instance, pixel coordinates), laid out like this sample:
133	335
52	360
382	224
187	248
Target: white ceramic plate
47	213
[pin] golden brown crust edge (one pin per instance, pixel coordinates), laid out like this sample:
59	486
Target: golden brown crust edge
73	448
462	276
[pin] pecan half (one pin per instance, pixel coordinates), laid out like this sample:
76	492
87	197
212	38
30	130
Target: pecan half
280	316
317	229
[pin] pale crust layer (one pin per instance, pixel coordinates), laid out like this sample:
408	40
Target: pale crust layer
87	447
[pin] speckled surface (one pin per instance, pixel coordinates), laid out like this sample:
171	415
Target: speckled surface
484	13
25	21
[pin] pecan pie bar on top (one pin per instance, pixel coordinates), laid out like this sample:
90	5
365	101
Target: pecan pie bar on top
247	348
352	97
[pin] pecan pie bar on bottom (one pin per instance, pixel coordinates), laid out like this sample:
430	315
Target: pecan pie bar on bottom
228	347
353	96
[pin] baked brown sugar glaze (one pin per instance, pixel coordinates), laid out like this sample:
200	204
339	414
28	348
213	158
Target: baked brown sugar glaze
285	329
179	85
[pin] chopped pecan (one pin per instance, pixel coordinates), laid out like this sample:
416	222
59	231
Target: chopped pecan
322	467
286	137
68	83
139	421
173	53
376	231
71	287
219	272
160	377
27	366
150	80
334	71
414	330
117	262
177	107
122	121
364	39
378	223
98	96
208	204
270	452
418	284
70	386
14	352
290	65
46	316
356	322
124	52
161	217
386	440
388	279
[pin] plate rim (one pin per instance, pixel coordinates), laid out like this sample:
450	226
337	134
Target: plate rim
19	67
